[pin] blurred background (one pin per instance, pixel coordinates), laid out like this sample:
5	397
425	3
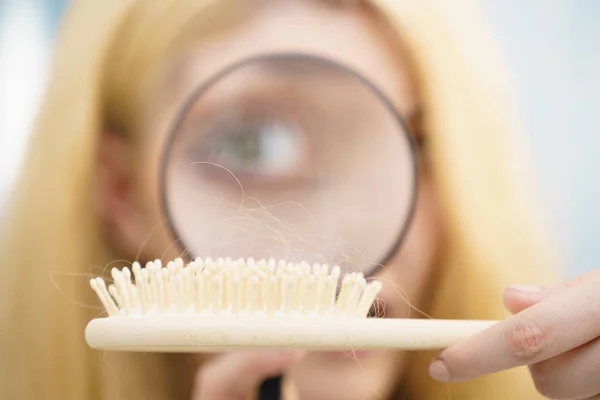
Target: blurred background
552	48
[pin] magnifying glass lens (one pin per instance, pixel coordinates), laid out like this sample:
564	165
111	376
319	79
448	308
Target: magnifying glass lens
290	158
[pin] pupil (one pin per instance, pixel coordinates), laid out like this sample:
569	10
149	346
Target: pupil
246	144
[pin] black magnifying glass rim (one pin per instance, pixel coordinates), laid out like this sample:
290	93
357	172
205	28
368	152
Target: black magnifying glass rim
189	103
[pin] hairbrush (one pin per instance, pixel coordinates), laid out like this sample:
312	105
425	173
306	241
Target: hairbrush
223	305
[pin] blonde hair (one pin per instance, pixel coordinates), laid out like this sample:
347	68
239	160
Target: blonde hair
108	55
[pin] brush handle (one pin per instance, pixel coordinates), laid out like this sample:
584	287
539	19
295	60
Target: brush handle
271	388
198	334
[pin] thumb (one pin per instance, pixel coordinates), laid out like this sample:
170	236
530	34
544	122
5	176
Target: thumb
233	376
517	298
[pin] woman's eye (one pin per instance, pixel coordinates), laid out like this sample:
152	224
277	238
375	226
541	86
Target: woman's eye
259	151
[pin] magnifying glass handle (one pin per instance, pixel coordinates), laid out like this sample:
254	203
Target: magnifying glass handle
270	389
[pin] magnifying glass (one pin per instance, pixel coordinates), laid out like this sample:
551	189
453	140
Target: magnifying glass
294	157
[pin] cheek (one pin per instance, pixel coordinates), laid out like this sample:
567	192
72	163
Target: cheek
409	273
158	242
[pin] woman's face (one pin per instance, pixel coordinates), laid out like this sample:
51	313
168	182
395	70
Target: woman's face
349	35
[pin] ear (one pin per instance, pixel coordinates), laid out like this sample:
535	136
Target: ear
119	207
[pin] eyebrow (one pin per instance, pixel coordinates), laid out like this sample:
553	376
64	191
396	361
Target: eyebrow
310	69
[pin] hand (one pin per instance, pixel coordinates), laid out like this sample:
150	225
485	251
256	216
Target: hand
233	376
555	331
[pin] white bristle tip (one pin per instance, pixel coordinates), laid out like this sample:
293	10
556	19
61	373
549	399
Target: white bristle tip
243	286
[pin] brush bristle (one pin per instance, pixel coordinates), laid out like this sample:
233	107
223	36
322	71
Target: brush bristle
235	287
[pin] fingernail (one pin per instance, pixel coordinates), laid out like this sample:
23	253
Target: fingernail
297	355
525	289
291	357
438	370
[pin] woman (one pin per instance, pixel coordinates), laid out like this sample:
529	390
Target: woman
88	194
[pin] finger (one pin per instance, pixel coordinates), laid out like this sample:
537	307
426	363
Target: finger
517	297
588	277
572	375
233	376
560	323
